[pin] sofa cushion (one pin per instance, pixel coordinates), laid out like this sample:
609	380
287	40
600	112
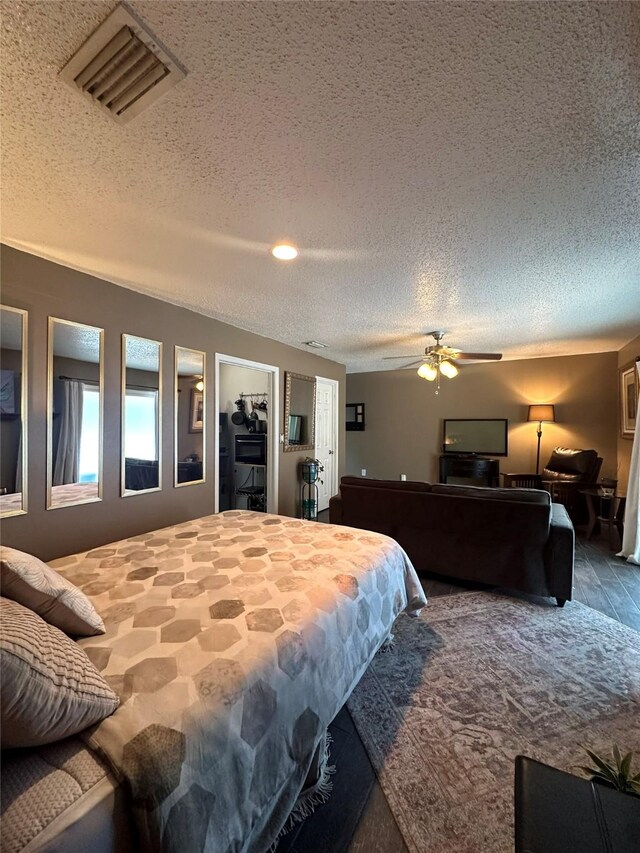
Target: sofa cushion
394	485
530	496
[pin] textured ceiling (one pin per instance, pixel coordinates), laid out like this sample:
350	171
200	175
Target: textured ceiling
472	167
142	354
75	341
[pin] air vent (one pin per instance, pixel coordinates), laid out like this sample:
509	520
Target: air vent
123	67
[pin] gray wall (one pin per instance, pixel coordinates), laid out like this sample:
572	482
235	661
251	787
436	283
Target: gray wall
403	432
45	288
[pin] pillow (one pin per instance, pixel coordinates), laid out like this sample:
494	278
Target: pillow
50	688
31	582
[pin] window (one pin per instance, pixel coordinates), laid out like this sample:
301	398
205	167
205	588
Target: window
90	435
141	413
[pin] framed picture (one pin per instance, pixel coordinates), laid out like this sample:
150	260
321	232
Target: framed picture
197	411
628	393
7	393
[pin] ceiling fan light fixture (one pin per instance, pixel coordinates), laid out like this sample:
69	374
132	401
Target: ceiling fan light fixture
427	371
448	369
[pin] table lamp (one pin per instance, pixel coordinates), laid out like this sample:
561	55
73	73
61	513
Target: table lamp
540	413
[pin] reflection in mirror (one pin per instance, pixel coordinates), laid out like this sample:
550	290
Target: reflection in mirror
13	404
299	412
190	390
74	456
141	412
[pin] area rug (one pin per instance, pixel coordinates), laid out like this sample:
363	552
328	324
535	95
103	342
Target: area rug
478	679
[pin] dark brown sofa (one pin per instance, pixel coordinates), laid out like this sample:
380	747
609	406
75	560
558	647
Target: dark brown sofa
514	538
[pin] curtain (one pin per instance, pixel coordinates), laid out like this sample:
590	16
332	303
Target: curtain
67	462
631	537
18	487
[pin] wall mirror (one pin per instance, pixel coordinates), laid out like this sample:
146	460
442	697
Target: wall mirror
190	391
13	411
141	464
75	413
299	412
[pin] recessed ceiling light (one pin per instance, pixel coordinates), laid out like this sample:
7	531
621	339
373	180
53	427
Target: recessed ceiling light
284	252
315	344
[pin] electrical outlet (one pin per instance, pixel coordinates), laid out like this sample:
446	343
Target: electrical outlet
363	473
403	476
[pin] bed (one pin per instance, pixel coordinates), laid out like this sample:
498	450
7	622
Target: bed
232	640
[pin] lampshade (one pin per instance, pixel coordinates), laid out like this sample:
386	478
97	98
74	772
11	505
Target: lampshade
448	369
542	412
199	386
427	371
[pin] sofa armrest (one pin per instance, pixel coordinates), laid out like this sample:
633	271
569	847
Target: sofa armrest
335	510
560	553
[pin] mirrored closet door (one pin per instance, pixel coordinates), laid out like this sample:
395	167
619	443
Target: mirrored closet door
75	413
190	400
141	464
13	411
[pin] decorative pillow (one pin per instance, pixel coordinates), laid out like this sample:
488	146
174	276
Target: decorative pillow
50	688
31	582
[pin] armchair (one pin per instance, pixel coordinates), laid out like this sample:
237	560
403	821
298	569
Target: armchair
567	471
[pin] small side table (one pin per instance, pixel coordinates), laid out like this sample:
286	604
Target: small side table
608	509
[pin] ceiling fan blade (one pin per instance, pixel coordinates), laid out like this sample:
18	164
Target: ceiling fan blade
412	364
479	356
389	357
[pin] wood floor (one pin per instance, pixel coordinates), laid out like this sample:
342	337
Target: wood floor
357	818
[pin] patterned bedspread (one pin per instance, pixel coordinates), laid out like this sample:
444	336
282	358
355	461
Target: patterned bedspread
233	641
72	493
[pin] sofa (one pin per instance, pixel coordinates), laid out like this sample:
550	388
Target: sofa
514	538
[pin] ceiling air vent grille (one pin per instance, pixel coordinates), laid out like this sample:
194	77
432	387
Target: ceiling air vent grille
123	67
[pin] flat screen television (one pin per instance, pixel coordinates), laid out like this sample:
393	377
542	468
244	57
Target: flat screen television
477	436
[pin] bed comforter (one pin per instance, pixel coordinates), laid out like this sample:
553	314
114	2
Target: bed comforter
233	641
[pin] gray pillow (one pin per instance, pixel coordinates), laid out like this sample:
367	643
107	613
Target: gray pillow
50	688
30	582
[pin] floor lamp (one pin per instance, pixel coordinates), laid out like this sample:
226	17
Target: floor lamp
541	413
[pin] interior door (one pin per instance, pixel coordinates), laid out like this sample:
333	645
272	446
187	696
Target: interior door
326	439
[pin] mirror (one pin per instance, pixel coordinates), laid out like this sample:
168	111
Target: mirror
13	411
190	389
141	464
299	412
75	408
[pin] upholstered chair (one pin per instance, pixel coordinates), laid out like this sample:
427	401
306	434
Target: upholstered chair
567	471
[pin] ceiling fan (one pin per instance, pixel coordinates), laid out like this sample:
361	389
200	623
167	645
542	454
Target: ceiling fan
439	359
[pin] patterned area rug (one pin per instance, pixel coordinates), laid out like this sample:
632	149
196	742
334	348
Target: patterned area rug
476	680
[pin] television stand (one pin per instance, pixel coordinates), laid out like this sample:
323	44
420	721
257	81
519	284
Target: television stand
470	467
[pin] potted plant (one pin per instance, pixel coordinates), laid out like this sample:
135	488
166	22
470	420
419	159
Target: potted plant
614	773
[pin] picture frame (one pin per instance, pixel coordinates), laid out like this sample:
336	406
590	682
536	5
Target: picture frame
628	399
7	393
196	418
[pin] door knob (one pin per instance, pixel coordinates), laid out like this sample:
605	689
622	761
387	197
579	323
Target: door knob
331	453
